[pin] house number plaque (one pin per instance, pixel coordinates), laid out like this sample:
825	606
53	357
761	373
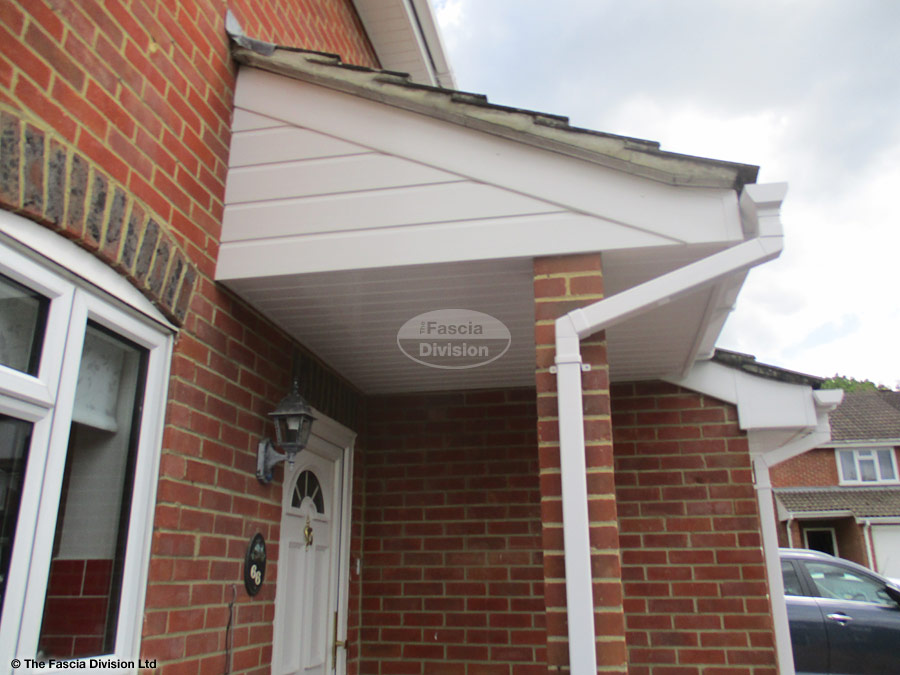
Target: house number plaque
255	564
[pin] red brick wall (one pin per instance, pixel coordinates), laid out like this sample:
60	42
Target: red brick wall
814	468
141	95
693	569
114	130
452	573
561	284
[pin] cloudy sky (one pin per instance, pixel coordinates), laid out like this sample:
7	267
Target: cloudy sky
809	90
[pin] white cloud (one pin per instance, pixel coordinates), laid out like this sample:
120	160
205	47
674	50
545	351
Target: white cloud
806	89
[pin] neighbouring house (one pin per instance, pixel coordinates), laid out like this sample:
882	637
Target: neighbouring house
843	497
197	206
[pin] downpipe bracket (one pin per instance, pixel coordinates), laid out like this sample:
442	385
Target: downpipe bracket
585	368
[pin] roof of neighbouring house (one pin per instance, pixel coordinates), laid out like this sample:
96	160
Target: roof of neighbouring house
867	416
551	132
862	502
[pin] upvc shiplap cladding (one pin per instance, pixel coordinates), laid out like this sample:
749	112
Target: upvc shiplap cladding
286	181
351	319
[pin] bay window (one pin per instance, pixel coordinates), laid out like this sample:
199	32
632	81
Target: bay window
82	393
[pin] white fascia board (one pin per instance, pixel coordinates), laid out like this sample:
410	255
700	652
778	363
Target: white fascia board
782	420
871	443
507	238
821	515
762	403
684	214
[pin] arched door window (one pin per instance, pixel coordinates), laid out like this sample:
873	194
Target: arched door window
307	486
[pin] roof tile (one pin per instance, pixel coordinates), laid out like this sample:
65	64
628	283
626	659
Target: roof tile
867	416
862	502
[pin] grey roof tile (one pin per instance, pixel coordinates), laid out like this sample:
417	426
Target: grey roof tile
862	502
866	416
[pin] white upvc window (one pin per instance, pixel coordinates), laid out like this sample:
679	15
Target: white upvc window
867	466
82	397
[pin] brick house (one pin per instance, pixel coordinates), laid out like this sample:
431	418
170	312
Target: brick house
191	216
843	497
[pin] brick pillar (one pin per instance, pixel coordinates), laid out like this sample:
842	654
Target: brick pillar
560	285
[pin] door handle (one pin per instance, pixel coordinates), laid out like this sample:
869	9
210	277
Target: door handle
840	617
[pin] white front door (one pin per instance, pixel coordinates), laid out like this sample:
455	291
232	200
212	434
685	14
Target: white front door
310	603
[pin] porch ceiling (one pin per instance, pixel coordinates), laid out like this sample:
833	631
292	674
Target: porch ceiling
350	319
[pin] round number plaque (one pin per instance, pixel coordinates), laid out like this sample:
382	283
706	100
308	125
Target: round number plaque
255	564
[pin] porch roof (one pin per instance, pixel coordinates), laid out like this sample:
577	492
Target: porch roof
861	502
357	199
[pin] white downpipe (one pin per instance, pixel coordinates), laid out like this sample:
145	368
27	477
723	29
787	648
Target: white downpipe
763	486
760	205
870	548
576	527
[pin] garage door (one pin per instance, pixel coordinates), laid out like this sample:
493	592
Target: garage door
886	539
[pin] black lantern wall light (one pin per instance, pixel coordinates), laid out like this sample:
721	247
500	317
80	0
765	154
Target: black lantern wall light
293	421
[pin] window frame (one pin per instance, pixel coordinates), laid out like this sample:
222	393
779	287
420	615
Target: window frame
874	449
47	401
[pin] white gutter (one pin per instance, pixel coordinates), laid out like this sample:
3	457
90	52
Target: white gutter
760	206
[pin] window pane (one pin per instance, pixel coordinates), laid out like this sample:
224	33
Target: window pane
791	580
23	315
886	465
14	439
81	607
835	582
848	467
867	470
307	485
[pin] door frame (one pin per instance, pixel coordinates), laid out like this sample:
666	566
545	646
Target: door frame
342	439
824	528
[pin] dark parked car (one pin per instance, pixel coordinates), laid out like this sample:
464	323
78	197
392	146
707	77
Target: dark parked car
844	618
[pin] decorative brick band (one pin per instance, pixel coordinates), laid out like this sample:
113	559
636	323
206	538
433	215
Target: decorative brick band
56	186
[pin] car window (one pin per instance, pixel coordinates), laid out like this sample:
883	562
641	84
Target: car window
792	584
836	582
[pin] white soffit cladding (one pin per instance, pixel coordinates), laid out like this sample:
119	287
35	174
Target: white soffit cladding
347	215
351	319
323	172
